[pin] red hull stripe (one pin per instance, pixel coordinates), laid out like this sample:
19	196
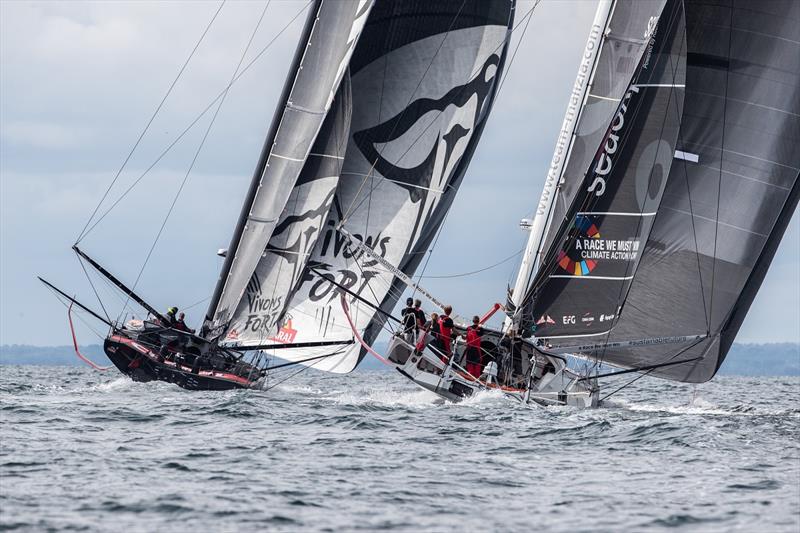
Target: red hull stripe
205	373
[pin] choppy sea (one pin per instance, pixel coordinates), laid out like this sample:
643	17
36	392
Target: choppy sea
88	451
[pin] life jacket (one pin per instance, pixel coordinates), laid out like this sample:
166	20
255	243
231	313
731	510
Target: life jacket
474	337
445	332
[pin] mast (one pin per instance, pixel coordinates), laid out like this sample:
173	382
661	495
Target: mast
261	165
566	137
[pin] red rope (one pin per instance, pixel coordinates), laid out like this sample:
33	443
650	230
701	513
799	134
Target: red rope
75	344
358	336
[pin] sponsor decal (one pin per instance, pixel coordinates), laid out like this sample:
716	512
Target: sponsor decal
587	319
606	318
605	162
589	248
568	320
286	334
579	265
545	319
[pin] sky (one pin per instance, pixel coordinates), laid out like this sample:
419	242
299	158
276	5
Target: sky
79	81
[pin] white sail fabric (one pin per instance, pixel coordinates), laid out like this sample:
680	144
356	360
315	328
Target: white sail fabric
423	79
256	321
330	43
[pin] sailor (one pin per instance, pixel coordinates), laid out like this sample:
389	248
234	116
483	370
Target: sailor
429	334
446	330
170	316
410	325
181	325
420	314
473	350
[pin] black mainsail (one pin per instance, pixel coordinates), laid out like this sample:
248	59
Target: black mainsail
731	192
596	249
721	206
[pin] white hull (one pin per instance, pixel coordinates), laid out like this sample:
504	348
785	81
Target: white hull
547	381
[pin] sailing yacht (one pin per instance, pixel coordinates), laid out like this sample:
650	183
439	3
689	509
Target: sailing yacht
674	176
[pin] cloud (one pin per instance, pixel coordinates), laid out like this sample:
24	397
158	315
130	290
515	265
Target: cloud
47	135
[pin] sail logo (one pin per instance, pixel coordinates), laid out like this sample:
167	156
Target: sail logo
579	266
545	319
587	319
568	320
605	162
286	334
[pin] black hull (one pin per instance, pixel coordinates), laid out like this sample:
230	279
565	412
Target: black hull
142	364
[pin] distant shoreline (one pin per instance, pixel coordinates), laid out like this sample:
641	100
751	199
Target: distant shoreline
769	359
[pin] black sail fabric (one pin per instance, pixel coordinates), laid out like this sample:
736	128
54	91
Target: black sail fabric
732	193
587	271
323	54
732	190
623	45
423	75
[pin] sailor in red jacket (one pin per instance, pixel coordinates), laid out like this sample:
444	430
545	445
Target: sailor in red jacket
446	330
473	351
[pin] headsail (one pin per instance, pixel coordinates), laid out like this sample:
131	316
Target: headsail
586	273
732	189
323	53
423	78
617	40
282	265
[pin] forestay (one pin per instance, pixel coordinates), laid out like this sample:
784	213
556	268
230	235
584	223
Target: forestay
423	80
324	51
732	190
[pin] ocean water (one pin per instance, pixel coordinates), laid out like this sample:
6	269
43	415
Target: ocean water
87	451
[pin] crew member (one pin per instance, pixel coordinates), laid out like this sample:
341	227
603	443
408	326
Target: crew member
473	350
410	325
170	316
446	330
430	333
181	325
420	314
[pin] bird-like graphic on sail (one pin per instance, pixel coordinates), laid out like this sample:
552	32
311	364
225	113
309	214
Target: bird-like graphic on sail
419	101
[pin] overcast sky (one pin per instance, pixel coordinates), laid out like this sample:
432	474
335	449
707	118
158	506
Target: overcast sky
78	82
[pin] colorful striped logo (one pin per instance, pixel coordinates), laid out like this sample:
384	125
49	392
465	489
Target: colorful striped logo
580	267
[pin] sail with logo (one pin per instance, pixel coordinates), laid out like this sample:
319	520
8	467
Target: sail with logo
730	193
673	179
384	171
670	233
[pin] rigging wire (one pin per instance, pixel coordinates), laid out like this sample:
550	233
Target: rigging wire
150	122
473	272
94	289
77	312
640	376
196	120
200	147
